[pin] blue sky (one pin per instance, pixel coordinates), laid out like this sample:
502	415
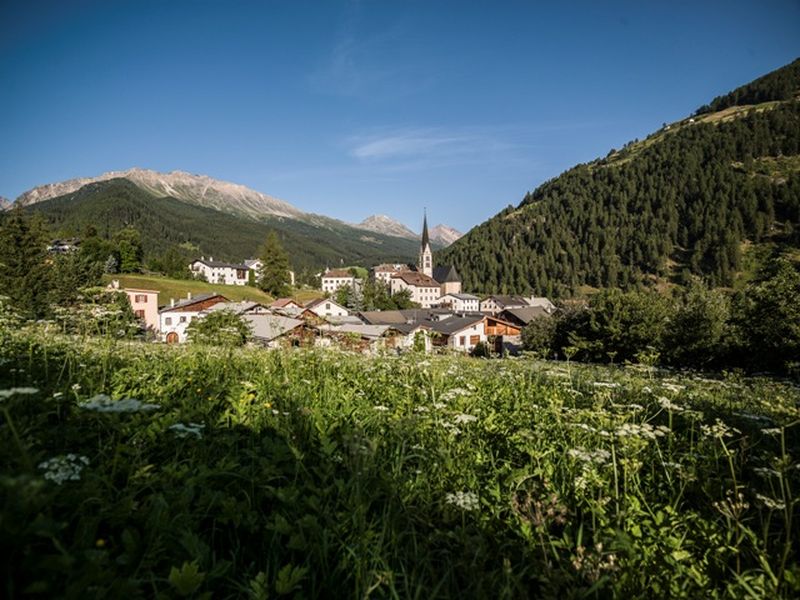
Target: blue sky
355	108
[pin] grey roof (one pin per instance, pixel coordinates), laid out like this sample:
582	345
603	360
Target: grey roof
215	264
510	301
269	327
193	300
462	296
365	331
527	313
455	324
234	307
398	317
446	274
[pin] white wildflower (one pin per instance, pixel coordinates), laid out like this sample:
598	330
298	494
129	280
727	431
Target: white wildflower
719	430
645	430
605	384
181	430
770	503
598	457
18	391
766	473
66	467
673	387
421	409
464	500
103	403
464	418
439	405
76	387
381	408
771	431
669	405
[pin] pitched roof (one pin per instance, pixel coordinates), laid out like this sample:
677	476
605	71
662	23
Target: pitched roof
461	296
502	301
365	331
390	268
446	274
234	307
318	301
268	327
337	273
417	279
455	324
193	300
527	313
215	264
283	302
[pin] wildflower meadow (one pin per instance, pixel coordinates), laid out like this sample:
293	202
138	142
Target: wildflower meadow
134	471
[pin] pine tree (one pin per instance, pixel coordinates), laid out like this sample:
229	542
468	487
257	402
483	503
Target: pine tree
25	271
274	274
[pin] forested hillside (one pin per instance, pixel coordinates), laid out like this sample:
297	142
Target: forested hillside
166	222
684	201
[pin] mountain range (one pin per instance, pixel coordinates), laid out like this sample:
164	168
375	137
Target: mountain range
218	218
440	235
713	195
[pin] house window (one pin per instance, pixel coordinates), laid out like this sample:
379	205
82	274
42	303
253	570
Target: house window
463	340
328	306
182	320
139	298
139	314
474	339
167	320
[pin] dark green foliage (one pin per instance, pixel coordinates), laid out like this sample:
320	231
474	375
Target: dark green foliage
539	335
25	268
273	277
220	328
781	84
166	222
680	203
72	272
757	329
174	262
128	243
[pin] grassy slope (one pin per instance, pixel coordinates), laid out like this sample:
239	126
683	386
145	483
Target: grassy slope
178	288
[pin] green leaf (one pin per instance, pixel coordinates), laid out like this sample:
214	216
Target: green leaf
187	579
289	578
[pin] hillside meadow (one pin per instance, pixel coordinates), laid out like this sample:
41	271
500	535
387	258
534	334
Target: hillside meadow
133	470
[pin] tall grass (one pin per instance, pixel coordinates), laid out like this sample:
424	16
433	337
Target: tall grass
326	474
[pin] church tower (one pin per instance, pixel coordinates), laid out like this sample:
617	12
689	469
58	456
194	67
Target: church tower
425	264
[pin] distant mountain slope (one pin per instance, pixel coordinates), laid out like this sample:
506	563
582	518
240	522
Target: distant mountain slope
387	226
194	189
5	203
686	200
164	222
444	235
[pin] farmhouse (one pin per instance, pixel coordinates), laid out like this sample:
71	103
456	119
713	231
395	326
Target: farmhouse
424	290
274	331
175	318
144	304
459	302
325	307
334	279
220	272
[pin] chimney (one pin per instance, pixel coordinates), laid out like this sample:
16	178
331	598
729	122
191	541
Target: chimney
210	259
188	295
171	302
115	284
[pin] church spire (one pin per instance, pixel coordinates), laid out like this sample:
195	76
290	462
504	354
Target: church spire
425	240
425	264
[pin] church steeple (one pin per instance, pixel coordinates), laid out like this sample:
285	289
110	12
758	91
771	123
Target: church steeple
425	264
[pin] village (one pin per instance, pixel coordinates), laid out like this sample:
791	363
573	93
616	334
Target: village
443	317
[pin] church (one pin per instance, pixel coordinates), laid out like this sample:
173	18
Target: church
425	282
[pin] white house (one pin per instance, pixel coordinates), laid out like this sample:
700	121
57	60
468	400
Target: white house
326	308
496	304
220	272
425	290
176	318
459	302
334	279
460	333
385	272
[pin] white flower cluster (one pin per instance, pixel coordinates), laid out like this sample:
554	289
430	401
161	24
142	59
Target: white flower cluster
462	418
66	467
598	457
103	403
18	391
771	431
669	405
719	430
673	387
454	393
645	430
770	503
381	408
181	430
605	384
464	500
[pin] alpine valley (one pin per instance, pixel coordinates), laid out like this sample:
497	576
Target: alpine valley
213	217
